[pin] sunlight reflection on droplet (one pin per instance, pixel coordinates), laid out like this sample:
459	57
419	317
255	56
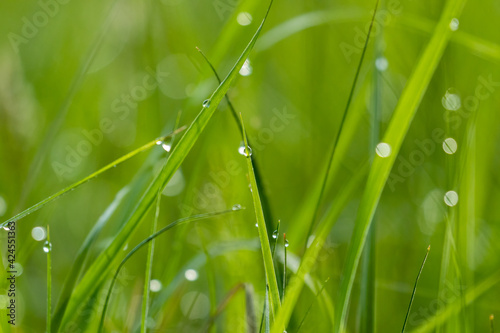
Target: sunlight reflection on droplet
244	18
246	69
450	146
451	100
381	63
191	275
38	233
454	24
451	198
155	285
383	149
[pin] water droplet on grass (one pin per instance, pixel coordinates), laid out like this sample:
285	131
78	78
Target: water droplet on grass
451	100
450	146
237	207
244	18
47	247
381	64
451	198
454	24
191	275
155	285
38	233
383	149
246	69
206	103
243	150
286	243
275	234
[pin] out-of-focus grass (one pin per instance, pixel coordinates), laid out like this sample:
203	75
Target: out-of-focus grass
292	94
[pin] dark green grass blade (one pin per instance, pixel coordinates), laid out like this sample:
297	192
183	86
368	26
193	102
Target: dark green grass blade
275	303
49	280
74	186
311	305
146	241
339	131
492	328
415	289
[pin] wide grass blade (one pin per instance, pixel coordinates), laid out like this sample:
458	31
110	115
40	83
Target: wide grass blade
415	288
274	298
103	263
48	250
146	241
74	186
396	132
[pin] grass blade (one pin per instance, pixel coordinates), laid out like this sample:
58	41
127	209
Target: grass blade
48	250
339	131
396	132
102	264
261	226
492	328
146	241
74	186
149	267
311	305
415	289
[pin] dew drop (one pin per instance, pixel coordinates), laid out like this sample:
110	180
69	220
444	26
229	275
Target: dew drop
244	18
275	234
451	198
237	207
243	151
191	275
47	247
454	24
206	103
381	64
38	233
256	225
450	146
286	243
383	149
155	285
6	228
246	69
451	100
166	147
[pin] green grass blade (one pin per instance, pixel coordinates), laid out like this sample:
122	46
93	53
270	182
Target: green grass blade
102	264
261	226
396	132
222	306
285	248
74	186
339	131
149	267
415	289
311	305
146	241
48	250
81	256
492	328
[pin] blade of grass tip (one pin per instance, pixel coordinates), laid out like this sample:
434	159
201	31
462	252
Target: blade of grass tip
103	263
146	241
261	226
81	256
415	288
492	328
311	305
398	127
149	268
285	247
74	186
264	199
48	249
344	115
63	110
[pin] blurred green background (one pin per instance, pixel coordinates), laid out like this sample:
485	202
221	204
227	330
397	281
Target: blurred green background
87	82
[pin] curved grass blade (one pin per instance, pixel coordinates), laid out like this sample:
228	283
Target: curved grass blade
274	298
72	187
396	132
342	121
102	264
415	289
149	268
263	195
146	241
48	250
